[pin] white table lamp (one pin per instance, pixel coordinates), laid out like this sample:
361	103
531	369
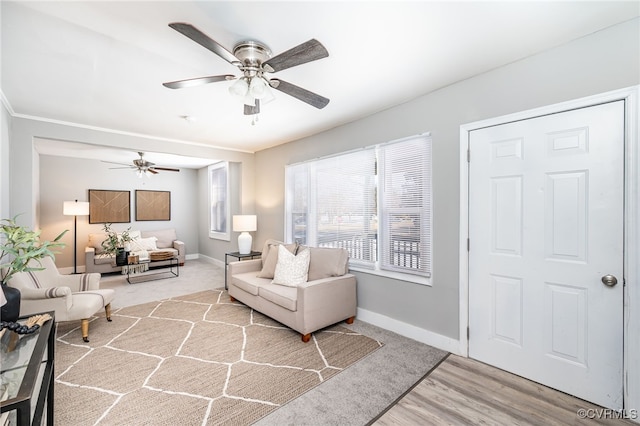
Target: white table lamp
244	224
75	208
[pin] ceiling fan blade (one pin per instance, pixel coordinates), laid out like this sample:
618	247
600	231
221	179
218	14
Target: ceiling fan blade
113	162
301	54
124	167
204	40
166	169
191	82
150	170
304	95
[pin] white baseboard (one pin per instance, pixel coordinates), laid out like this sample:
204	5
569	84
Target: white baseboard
411	331
192	256
211	260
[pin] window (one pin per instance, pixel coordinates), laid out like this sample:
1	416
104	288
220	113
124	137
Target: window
375	202
219	212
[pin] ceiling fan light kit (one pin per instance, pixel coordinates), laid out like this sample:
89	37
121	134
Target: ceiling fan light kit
254	59
240	88
258	88
142	173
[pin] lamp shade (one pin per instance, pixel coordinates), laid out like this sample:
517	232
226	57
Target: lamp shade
245	223
75	208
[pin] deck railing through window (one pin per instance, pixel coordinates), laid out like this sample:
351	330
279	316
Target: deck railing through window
405	250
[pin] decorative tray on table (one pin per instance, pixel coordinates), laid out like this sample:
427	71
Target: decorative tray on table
161	255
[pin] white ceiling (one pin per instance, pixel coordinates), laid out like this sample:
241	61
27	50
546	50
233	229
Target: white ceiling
102	64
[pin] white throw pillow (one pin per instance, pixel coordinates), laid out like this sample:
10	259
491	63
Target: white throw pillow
140	244
291	270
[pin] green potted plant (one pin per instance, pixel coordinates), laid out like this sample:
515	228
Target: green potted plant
19	245
114	244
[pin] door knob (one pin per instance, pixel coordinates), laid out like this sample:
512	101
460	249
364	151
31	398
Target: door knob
609	280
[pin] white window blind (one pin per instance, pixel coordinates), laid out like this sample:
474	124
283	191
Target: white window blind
218	201
297	203
345	202
375	202
405	195
331	202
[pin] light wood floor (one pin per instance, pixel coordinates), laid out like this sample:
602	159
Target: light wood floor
461	391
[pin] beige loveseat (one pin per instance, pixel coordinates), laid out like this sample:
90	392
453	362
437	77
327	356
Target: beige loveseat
162	240
327	297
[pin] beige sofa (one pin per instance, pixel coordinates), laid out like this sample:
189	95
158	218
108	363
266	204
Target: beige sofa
327	297
161	240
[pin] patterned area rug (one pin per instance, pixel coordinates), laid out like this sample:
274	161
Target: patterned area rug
191	360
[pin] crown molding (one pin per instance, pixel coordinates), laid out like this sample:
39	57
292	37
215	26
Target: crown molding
7	105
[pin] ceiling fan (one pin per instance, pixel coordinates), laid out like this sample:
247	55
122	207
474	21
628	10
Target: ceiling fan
254	60
142	166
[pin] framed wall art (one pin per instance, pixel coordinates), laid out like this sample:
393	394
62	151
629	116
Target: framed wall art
153	205
109	206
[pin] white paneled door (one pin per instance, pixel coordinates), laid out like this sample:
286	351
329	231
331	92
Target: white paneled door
546	247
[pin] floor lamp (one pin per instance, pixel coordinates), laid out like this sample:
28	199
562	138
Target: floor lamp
75	208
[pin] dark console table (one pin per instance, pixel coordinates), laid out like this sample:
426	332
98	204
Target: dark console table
26	386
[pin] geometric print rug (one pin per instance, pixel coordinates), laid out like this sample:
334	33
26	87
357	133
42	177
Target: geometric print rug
197	359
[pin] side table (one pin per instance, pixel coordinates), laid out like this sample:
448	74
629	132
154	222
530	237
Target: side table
27	376
237	255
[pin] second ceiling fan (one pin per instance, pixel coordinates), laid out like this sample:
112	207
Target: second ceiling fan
254	60
143	167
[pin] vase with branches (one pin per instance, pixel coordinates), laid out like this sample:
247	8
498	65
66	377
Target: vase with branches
114	244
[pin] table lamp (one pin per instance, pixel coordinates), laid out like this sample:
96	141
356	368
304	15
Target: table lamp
244	224
75	208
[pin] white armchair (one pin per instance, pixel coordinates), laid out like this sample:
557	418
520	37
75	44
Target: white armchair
72	297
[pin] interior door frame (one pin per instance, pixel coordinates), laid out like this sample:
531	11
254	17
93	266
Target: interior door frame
631	314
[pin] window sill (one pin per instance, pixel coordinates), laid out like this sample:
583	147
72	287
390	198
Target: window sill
219	236
394	275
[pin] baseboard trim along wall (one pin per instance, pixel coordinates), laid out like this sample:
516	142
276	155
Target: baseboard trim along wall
407	330
411	331
208	259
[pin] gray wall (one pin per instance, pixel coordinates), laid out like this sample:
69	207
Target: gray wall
239	201
60	181
42	212
5	120
603	61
